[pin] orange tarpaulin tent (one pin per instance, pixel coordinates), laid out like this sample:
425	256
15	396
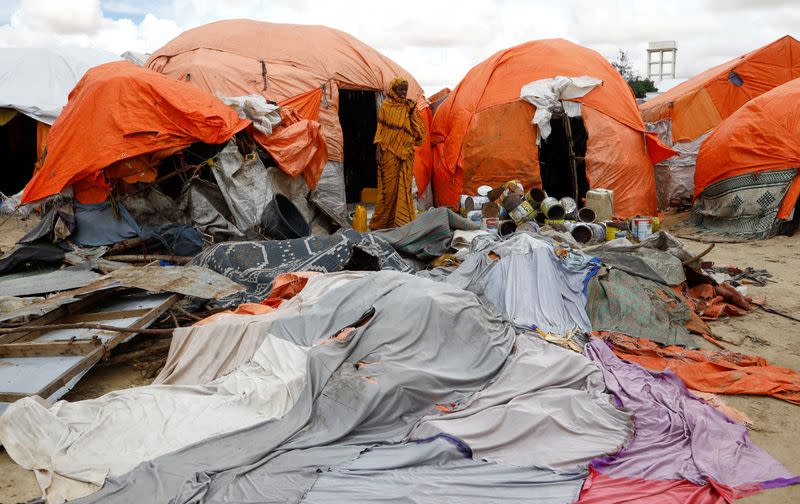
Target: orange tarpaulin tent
700	103
482	132
685	113
120	114
299	66
762	136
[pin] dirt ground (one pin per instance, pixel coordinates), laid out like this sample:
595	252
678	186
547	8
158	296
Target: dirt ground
776	423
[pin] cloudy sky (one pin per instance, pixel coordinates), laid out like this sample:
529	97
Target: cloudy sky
437	41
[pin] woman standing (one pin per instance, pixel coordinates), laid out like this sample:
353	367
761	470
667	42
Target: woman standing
400	130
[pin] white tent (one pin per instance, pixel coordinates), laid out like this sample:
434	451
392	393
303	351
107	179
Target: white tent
37	81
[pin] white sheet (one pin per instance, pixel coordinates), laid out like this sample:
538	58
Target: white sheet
547	95
88	440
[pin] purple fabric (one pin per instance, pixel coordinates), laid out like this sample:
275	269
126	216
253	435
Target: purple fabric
677	435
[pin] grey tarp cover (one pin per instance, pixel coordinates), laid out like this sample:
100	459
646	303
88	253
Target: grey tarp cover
243	183
547	408
619	302
658	257
427	343
429	235
256	264
529	283
439	470
206	208
101	224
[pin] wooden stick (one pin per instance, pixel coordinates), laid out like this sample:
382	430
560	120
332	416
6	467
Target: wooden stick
99	327
699	256
149	257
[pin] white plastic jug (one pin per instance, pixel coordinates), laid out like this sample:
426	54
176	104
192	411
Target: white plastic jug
602	202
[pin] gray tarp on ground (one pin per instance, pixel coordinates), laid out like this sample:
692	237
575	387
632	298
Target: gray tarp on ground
429	235
427	343
547	408
658	257
439	470
529	283
619	302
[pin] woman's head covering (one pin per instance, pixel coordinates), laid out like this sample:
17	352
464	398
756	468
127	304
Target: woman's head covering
393	87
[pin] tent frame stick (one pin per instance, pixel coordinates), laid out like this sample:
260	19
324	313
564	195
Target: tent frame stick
572	164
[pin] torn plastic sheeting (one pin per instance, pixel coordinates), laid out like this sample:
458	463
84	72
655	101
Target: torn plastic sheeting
192	281
429	235
330	196
719	372
549	95
343	408
643	262
243	183
205	205
676	435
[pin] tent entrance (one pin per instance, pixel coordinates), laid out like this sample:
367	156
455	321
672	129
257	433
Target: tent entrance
18	145
358	115
561	158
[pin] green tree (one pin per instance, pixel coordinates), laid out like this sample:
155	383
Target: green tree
639	85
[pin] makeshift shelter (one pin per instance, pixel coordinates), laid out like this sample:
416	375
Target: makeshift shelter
746	181
483	133
121	120
685	114
324	74
34	85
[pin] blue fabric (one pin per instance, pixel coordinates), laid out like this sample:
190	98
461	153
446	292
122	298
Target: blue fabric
97	225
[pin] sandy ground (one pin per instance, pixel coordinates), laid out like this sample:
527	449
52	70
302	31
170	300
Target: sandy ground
776	423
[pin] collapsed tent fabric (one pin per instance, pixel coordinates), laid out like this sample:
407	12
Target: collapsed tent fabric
440	470
747	168
37	81
523	278
720	372
299	66
117	113
482	132
676	435
88	440
603	489
683	115
256	264
375	369
547	408
628	304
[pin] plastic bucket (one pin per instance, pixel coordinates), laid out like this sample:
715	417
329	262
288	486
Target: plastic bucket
282	220
552	209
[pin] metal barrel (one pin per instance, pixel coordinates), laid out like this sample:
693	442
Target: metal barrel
586	214
552	209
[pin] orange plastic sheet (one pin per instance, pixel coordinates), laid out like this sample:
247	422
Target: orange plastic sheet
719	372
711	302
287	286
281	62
700	103
119	111
601	489
762	136
478	128
297	146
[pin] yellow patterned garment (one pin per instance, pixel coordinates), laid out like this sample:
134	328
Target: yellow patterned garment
400	130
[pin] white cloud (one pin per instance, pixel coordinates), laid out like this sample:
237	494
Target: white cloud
437	41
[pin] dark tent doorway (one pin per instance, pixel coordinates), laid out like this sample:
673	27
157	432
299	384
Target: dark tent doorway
555	163
358	115
18	145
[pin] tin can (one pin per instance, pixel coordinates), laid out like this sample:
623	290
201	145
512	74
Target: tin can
552	209
586	214
522	213
642	227
475	216
490	224
570	208
588	232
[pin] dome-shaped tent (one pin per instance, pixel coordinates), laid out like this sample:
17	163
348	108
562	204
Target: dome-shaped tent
683	115
746	180
325	74
483	133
